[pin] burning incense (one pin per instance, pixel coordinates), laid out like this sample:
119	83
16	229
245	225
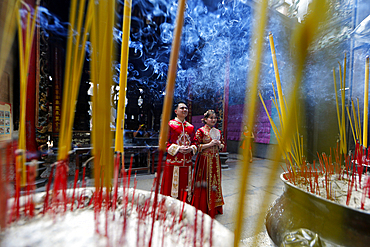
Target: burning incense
341	115
295	149
249	113
366	102
101	62
337	104
356	122
120	123
171	77
74	62
115	181
277	76
359	120
167	105
274	128
24	58
302	37
9	30
343	97
274	100
350	121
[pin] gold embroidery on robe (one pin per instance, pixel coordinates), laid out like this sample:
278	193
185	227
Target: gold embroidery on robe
175	182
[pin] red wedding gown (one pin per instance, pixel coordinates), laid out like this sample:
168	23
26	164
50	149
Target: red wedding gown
207	195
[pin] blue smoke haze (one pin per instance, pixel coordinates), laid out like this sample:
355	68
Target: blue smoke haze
218	35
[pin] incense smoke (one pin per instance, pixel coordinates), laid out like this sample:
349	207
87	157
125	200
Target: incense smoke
216	48
215	36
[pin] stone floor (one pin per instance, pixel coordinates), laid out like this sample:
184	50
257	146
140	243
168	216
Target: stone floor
256	192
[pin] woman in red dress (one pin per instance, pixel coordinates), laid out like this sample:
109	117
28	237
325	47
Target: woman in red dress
207	195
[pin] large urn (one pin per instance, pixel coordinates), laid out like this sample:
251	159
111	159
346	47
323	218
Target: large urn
299	218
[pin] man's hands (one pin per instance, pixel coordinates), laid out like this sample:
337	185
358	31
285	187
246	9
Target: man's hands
185	149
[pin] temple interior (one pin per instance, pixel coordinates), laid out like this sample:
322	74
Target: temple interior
320	79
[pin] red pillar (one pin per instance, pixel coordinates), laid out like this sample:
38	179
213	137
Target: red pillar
31	99
190	101
226	100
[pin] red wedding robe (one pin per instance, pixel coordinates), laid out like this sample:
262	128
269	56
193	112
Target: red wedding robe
177	174
207	179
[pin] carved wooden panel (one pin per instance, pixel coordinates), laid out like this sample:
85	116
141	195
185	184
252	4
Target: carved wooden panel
4	88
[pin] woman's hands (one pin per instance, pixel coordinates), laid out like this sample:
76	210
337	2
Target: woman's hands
215	143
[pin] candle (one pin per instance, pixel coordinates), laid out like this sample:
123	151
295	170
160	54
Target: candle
366	102
120	123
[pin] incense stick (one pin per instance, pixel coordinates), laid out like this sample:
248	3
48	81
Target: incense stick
24	58
121	106
350	121
355	120
9	30
302	37
101	67
366	102
249	113
168	100
277	76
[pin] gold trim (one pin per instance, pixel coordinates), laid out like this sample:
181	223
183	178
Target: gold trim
175	182
173	149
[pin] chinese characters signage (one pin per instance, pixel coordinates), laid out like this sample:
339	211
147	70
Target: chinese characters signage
5	120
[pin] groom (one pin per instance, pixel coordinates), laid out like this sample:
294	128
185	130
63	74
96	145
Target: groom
177	177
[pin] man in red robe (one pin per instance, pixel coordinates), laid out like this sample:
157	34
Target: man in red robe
181	147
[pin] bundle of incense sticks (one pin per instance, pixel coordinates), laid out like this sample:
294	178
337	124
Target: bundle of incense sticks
292	152
249	114
329	170
168	100
341	115
73	69
25	41
121	106
302	37
101	70
99	22
10	8
356	130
